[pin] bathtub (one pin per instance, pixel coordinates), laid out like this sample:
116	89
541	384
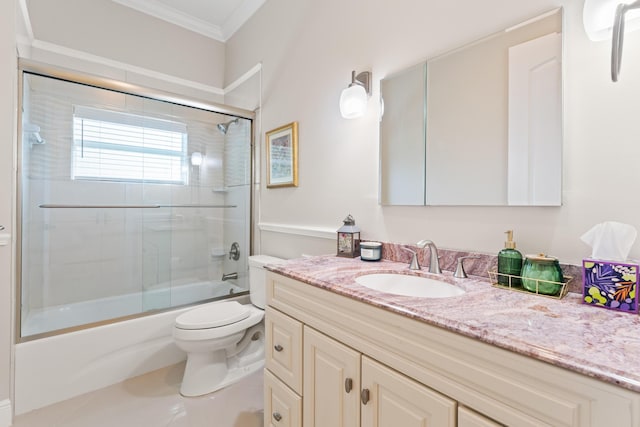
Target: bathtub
69	315
59	367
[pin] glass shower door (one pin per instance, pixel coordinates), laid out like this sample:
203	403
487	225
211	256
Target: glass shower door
128	204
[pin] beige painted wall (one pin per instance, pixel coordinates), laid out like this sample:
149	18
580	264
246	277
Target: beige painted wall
308	50
107	29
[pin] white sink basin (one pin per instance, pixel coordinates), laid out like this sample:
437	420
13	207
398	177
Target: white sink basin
413	286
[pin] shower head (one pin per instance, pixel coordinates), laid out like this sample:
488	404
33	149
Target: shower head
223	127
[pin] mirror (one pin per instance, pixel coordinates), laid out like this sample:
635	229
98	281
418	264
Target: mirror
480	125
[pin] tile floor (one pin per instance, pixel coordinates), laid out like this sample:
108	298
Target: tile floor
153	400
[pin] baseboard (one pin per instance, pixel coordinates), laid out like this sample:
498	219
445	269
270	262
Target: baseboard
6	416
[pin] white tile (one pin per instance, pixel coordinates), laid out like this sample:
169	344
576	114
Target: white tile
153	400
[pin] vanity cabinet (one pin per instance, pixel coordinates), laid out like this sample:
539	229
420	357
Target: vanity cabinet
415	373
331	382
343	388
469	418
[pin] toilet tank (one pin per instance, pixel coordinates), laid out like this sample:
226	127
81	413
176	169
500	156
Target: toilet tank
258	277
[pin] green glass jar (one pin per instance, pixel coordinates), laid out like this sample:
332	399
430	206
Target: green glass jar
537	273
509	263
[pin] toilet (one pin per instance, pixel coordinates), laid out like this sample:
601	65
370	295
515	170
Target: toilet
224	341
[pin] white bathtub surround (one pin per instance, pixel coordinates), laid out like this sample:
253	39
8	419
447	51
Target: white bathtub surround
53	369
5	413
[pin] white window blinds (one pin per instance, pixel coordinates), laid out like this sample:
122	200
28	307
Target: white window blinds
115	146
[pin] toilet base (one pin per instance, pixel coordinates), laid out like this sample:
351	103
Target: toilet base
199	388
207	372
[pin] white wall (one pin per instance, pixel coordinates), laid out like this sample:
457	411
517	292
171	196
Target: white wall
308	50
7	138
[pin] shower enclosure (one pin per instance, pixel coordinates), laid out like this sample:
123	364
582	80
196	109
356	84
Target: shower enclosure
129	203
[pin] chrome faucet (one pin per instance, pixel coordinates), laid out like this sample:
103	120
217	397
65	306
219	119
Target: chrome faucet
460	273
413	264
434	262
229	276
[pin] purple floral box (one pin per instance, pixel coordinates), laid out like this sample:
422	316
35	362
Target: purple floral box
611	285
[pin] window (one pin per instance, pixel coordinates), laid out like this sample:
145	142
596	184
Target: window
115	146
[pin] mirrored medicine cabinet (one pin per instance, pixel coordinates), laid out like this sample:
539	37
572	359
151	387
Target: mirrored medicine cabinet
479	125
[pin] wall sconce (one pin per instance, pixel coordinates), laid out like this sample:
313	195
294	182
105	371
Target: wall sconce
353	100
196	158
607	18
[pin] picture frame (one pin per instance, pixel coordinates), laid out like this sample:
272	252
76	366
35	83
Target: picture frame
282	156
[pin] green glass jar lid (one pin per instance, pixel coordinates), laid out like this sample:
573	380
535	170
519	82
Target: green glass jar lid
542	258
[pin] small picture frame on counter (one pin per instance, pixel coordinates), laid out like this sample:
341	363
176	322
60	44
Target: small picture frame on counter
611	285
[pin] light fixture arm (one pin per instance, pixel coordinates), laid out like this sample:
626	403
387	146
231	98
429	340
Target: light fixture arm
618	37
364	79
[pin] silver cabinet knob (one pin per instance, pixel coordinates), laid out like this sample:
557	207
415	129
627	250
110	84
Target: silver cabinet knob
348	385
364	396
277	416
278	347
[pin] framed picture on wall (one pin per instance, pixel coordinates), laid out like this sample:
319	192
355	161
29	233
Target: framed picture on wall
282	156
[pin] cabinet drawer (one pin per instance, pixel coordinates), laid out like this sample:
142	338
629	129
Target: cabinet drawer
282	407
283	353
469	418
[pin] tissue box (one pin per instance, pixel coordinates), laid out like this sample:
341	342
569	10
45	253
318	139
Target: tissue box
611	285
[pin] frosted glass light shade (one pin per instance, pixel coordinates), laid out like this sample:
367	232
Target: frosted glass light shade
353	101
598	16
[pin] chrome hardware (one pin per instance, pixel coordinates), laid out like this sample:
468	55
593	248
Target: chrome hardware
278	347
460	273
58	206
364	396
413	265
617	38
277	416
229	276
434	262
348	385
234	253
1	227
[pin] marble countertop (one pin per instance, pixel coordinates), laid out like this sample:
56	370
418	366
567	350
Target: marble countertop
599	343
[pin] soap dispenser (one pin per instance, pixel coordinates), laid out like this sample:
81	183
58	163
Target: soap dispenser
509	262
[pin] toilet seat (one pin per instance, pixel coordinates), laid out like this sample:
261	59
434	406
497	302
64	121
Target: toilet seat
225	313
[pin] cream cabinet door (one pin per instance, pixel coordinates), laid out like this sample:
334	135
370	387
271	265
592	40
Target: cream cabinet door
331	382
469	418
282	407
389	399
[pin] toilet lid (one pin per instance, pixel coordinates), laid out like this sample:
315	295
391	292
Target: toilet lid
213	316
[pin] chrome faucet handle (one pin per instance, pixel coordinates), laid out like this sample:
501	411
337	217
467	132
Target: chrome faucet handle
434	261
413	265
460	273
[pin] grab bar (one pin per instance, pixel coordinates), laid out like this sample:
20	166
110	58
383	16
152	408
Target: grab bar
54	206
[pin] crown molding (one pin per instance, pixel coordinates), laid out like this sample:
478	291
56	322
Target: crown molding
73	53
245	10
220	33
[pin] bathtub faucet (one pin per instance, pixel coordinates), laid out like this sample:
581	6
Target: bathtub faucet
229	276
